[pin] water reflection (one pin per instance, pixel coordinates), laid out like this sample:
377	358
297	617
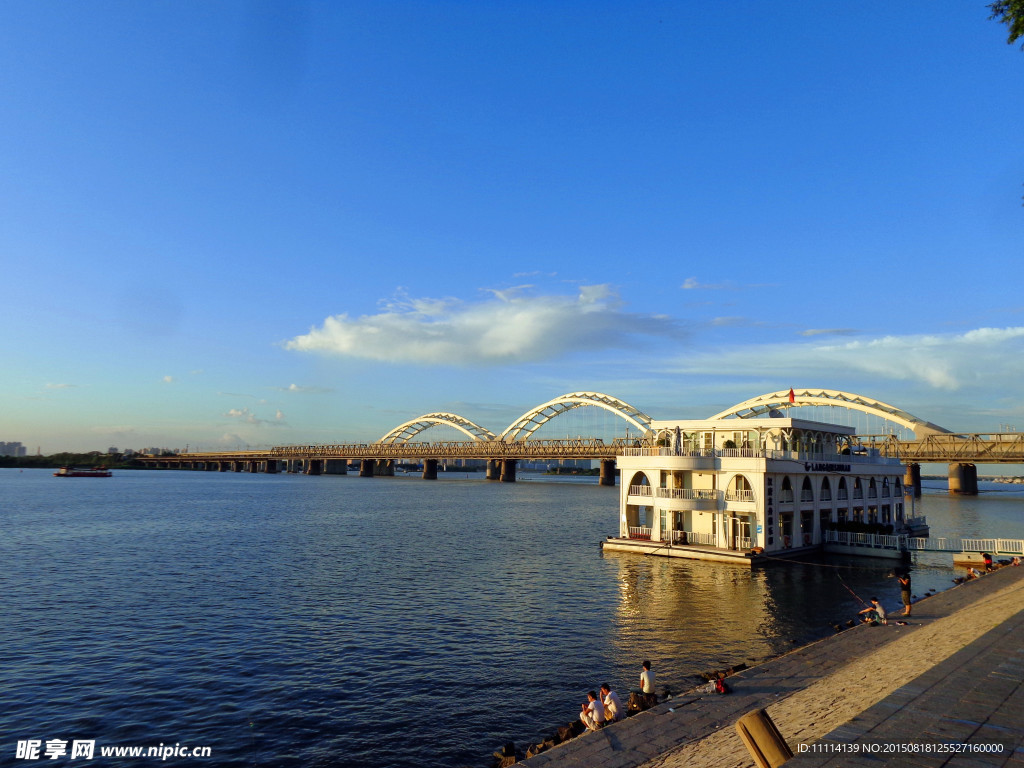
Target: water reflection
690	617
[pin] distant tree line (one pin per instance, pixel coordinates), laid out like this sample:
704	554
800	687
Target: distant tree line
91	459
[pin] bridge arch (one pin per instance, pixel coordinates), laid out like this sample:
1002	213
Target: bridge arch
523	427
764	404
404	432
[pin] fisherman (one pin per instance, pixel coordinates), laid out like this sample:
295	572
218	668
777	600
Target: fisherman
874	613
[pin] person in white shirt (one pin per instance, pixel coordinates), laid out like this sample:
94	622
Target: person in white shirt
612	704
592	713
647	679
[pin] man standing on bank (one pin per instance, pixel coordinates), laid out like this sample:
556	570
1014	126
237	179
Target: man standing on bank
904	580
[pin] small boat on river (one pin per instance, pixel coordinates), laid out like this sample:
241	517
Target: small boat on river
75	472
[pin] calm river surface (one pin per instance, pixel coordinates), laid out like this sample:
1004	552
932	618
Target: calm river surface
285	620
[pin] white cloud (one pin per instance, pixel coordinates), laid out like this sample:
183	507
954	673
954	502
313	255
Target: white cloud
693	284
60	386
828	332
510	327
297	389
248	417
985	356
168	379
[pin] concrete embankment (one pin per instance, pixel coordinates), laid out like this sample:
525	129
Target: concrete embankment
953	673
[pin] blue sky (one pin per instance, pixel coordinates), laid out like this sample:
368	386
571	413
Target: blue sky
230	224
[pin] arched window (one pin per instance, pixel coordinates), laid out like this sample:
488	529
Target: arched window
786	493
739	490
842	493
826	490
806	492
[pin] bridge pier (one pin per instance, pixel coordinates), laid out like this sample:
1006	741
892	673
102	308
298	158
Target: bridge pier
912	479
366	467
222	466
607	476
335	467
385	468
254	466
508	470
430	469
314	466
493	469
963	480
270	467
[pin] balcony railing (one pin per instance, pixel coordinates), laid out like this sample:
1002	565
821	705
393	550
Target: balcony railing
640	490
690	537
689	494
640	532
739	495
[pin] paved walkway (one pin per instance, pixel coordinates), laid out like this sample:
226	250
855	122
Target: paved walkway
953	675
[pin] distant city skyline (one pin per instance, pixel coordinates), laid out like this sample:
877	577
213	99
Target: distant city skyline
235	224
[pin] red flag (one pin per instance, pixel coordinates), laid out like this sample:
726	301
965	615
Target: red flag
792	396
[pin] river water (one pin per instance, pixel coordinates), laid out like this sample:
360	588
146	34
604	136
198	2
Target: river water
286	620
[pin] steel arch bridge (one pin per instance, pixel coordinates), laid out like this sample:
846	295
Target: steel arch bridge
404	432
522	428
765	404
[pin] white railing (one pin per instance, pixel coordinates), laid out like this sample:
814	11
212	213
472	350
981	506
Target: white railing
743	543
640	532
806	495
785	497
662	450
830	458
926	544
994	546
754	453
689	494
874	540
690	537
640	490
737	495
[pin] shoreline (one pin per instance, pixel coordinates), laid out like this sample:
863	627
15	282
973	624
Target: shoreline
810	691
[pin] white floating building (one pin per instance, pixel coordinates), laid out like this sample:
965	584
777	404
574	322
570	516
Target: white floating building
740	489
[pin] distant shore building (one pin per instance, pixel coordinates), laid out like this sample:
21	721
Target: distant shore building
13	449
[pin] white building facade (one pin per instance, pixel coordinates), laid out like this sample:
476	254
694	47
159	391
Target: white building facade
753	485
